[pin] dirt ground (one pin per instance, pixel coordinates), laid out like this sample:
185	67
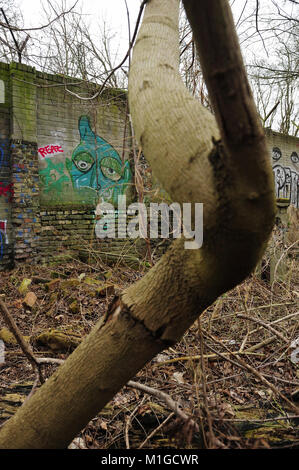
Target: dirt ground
234	374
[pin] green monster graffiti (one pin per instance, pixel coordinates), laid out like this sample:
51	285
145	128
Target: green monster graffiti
95	172
97	167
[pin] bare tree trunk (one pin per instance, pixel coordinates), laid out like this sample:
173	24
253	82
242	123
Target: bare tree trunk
234	181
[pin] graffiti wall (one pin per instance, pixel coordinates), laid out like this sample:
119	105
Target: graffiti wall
91	171
6	185
6	195
60	156
83	146
284	151
286	184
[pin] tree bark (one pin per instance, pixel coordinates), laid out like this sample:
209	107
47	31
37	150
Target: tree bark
231	176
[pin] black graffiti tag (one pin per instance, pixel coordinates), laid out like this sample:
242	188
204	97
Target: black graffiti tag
286	184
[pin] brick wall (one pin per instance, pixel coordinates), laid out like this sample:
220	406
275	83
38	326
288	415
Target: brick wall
60	156
6	189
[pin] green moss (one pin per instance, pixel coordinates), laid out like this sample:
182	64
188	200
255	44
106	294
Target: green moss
58	340
9	338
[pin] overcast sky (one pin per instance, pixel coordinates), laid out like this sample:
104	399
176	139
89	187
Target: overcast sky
113	12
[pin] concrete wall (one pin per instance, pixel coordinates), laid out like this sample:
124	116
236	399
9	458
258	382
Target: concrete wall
284	151
59	156
82	146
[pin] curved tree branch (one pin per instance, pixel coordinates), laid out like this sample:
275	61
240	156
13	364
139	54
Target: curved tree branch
233	179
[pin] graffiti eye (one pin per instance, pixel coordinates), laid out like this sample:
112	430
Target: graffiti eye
82	165
111	168
83	161
276	153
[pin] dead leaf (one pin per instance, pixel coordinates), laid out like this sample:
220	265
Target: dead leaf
178	376
17	303
30	299
103	425
226	409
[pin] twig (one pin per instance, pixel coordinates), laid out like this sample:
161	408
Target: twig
271	111
166	399
261	344
157	429
204	389
282	255
20	340
239	420
128	420
253	308
265	325
197	357
37	28
257	374
50	360
19	52
266	382
257	26
275	321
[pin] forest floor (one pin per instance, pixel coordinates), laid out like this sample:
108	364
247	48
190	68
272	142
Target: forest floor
234	374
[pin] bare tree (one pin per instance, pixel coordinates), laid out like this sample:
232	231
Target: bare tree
223	164
68	47
12	43
268	33
270	28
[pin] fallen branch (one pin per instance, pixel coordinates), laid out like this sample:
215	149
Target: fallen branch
172	405
210	357
211	434
265	325
50	360
261	344
20	340
243	365
157	429
128	420
286	317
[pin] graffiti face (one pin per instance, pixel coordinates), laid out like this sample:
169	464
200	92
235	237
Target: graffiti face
294	157
276	153
96	165
95	171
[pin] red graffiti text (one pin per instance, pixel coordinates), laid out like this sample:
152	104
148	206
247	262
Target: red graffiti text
4	190
48	149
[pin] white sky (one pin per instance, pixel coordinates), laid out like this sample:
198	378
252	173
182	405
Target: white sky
112	11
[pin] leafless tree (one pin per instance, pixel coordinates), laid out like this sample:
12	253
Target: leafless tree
221	160
12	43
